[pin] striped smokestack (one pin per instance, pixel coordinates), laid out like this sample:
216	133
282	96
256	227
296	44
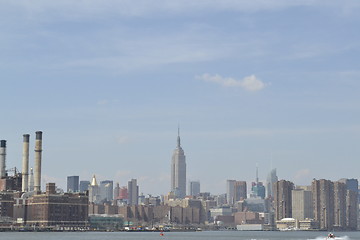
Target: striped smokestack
25	163
2	158
37	164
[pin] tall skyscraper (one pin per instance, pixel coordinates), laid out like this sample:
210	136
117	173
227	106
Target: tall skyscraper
271	179
282	199
323	198
73	184
133	192
352	210
335	206
178	171
230	188
194	188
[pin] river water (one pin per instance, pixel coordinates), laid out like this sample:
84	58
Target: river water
221	235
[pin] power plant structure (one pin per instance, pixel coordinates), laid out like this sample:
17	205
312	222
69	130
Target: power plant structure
25	163
20	181
37	162
22	200
2	158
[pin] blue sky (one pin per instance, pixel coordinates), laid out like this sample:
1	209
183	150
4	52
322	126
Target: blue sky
262	81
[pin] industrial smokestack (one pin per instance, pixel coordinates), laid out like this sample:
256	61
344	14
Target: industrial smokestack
37	165
31	180
2	158
25	163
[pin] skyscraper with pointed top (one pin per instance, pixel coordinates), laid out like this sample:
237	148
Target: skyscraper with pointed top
178	170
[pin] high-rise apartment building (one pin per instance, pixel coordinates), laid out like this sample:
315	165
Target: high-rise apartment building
283	199
302	204
271	179
339	205
73	184
178	171
323	198
133	192
335	206
194	188
352	210
351	184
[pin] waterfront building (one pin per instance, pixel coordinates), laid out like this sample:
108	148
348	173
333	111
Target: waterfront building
51	209
73	184
352	210
282	199
339	205
302	204
178	170
335	206
323	198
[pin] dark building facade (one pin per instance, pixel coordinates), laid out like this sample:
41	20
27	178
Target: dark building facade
240	191
335	204
84	186
6	204
283	199
73	184
323	198
52	209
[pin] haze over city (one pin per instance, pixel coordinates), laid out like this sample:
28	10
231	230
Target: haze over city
273	83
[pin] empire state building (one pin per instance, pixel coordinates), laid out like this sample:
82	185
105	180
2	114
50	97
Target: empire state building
178	171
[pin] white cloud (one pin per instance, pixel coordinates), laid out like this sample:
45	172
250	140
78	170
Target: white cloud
122	139
249	83
302	174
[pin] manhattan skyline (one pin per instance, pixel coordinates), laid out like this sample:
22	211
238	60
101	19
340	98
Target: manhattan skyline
274	83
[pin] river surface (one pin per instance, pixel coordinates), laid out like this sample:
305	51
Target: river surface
221	235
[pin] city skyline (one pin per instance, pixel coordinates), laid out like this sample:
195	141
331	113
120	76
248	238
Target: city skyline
249	82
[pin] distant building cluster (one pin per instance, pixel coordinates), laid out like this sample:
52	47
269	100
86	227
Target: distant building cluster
102	205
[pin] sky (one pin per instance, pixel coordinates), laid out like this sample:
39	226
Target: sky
273	83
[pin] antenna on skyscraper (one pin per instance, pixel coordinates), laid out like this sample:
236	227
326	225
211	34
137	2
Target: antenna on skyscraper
257	174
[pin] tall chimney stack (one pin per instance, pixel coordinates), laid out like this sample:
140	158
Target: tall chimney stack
25	163
37	164
2	158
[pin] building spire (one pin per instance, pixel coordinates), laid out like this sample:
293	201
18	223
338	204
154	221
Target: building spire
178	138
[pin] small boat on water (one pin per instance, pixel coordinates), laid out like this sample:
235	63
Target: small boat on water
331	236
